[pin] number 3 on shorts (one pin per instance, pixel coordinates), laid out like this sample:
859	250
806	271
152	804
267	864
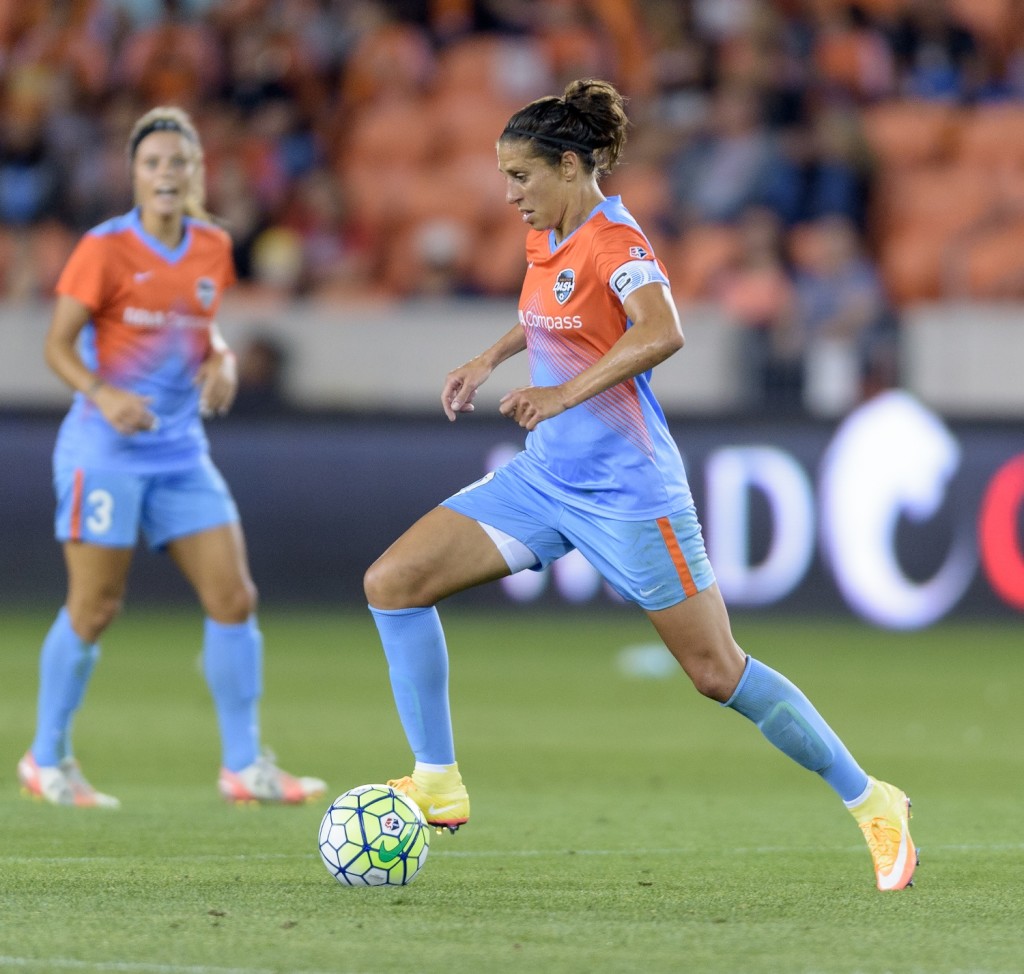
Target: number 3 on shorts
100	507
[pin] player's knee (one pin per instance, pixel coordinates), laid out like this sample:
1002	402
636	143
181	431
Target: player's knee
376	585
715	675
711	682
388	585
90	617
232	605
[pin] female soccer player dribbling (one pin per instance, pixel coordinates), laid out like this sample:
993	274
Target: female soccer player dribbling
134	334
600	472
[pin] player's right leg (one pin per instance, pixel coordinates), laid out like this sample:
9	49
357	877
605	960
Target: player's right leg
490	529
96	579
96	519
442	553
450	549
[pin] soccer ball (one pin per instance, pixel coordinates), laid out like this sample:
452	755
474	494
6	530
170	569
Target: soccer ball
374	836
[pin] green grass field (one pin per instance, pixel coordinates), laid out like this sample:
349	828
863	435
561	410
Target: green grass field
620	824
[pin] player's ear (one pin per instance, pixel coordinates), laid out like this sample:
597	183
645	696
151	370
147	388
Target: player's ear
570	164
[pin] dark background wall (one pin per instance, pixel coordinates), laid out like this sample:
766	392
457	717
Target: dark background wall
322	497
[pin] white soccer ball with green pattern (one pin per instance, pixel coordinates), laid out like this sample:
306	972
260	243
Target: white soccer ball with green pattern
374	836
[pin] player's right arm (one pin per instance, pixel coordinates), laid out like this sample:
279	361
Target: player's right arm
126	411
461	384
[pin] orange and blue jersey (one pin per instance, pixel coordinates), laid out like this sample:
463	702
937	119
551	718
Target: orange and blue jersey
612	454
151	311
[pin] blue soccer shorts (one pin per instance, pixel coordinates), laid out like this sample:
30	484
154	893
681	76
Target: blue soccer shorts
654	563
111	507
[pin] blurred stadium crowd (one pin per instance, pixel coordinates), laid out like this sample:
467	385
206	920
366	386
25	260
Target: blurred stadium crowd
810	164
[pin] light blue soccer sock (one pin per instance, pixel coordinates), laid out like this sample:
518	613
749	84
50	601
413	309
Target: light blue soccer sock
417	657
65	664
788	719
233	667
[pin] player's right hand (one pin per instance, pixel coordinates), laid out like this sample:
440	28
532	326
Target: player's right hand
460	388
127	412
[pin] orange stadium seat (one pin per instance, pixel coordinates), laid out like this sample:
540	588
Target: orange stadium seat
646	191
911	264
645	188
376	195
918	217
702	253
945	199
908	133
51	246
393	57
876	8
992	20
396	128
1008	182
464	122
468	188
493	67
425	257
498	261
386	147
993	135
31	258
991	265
470	64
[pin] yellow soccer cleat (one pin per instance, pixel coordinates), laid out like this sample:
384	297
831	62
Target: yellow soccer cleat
440	795
884	818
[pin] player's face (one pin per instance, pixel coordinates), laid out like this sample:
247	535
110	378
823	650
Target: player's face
532	185
163	168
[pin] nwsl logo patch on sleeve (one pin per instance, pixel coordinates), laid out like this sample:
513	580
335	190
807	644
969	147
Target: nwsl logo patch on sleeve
564	284
637	253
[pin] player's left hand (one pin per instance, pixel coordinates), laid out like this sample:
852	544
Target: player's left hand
531	405
217	379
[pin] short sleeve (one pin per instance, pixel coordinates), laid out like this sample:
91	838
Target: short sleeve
619	244
84	277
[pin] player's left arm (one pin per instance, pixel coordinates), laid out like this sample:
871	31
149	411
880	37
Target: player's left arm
217	376
656	333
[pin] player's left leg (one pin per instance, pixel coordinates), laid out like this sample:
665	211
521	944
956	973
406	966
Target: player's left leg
215	563
192	514
673	581
698	634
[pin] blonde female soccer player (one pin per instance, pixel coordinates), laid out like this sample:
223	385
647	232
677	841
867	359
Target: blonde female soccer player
600	473
134	334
